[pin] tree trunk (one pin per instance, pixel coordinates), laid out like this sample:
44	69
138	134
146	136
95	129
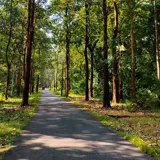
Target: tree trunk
7	81
7	49
57	79
54	81
30	35
18	82
157	41
106	98
30	84
62	82
37	84
37	81
24	64
32	81
91	48
133	63
32	87
115	82
92	74
67	55
86	51
120	80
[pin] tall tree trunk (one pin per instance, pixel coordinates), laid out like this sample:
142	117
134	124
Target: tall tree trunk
13	82
115	81
24	64
157	41
30	35
67	54
30	84
32	80
120	84
18	82
33	87
7	81
62	82
106	98
120	79
37	84
91	48
92	74
86	51
133	63
54	81
57	79
7	49
37	81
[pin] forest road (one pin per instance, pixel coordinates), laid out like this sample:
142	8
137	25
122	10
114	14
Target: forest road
62	131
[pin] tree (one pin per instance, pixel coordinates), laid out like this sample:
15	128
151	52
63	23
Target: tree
7	49
86	51
91	48
68	37
115	82
106	98
133	63
29	43
157	39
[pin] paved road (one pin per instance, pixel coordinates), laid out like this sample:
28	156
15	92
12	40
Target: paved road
61	131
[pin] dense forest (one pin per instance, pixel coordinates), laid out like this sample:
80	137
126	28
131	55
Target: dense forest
103	49
101	55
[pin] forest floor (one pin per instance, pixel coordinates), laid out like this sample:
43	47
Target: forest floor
141	128
13	119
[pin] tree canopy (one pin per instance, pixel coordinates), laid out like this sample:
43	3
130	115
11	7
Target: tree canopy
104	49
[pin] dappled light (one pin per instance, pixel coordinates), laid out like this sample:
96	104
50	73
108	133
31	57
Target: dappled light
102	57
62	131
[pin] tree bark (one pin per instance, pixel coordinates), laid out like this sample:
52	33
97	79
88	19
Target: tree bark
37	81
115	81
106	98
7	49
18	82
92	74
62	82
24	64
157	41
86	51
91	48
133	63
67	55
30	36
8	80
32	81
55	81
33	87
120	79
37	84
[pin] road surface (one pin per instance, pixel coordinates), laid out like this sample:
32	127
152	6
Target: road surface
62	131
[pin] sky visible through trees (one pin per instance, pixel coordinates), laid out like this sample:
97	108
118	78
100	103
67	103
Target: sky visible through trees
102	54
103	49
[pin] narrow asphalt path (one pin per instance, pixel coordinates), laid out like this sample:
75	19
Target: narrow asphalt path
61	131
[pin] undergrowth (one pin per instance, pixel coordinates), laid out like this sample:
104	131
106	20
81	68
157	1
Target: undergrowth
13	119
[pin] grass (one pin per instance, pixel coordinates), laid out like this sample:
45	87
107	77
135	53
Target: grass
13	119
141	128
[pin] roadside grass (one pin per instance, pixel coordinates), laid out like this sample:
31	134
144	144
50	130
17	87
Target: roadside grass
13	119
141	128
